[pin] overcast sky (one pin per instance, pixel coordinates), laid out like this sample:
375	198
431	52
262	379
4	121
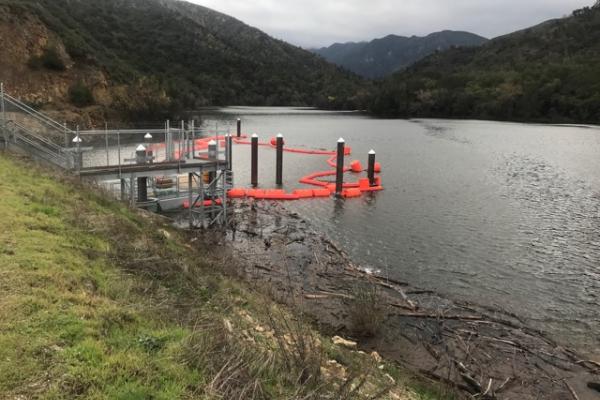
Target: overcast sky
315	23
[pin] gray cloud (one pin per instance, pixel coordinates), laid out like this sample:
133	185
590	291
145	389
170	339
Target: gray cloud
311	23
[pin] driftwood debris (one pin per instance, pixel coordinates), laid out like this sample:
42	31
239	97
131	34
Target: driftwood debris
484	352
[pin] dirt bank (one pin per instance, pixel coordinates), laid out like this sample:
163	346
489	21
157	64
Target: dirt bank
483	352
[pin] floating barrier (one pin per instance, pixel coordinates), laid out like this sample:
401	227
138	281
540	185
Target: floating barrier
351	193
207	203
305	193
324	188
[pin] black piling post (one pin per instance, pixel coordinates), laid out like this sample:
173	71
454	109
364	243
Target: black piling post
239	127
371	168
279	161
229	139
339	176
142	181
254	161
212	155
142	186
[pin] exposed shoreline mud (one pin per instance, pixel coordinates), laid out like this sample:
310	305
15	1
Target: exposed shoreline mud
482	352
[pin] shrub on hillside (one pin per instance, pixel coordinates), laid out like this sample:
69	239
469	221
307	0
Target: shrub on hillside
80	95
50	59
366	311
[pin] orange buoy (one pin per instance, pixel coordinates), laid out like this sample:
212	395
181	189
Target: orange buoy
356	167
273	141
378	167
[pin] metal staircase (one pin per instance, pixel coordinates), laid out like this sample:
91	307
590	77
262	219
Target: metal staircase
25	129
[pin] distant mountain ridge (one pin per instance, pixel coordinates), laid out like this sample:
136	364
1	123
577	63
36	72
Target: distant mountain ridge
382	57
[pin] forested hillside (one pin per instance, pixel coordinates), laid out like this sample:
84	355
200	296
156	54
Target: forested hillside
382	57
550	72
155	55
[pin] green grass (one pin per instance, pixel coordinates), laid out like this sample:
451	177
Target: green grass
98	301
71	324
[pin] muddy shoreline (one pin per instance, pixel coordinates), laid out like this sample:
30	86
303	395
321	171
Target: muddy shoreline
482	352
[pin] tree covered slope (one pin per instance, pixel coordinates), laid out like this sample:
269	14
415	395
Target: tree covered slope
176	55
550	72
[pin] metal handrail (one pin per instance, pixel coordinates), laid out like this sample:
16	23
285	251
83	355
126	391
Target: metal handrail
49	149
37	137
42	117
54	158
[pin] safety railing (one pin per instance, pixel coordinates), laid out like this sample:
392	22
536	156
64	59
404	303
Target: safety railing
37	145
45	121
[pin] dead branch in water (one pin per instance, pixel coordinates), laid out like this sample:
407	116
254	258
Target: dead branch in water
572	391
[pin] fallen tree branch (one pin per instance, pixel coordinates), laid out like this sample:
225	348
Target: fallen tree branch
575	397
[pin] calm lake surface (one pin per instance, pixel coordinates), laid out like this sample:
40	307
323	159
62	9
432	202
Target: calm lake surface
501	214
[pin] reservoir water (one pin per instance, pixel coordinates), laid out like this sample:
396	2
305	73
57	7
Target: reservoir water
502	214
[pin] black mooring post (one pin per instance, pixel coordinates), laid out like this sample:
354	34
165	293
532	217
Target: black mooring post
254	161
142	182
142	189
213	154
339	175
239	127
279	161
371	169
229	140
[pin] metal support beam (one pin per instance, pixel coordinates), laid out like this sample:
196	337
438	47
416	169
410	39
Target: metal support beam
123	189
224	197
191	198
106	143
132	190
3	115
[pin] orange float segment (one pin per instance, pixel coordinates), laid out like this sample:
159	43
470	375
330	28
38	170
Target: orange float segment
236	193
364	183
321	193
372	189
378	167
304	193
351	193
255	193
186	203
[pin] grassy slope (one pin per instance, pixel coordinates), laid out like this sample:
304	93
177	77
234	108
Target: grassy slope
100	301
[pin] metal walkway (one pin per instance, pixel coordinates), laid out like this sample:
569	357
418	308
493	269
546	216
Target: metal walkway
106	156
